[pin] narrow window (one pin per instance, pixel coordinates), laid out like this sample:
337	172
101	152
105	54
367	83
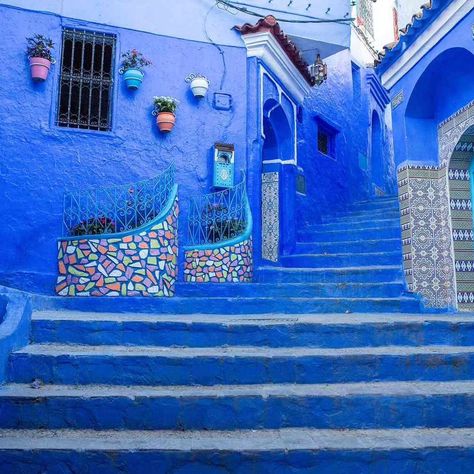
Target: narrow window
86	82
323	142
326	138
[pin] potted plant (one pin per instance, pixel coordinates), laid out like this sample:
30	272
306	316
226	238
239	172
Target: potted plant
199	84
133	63
164	109
39	53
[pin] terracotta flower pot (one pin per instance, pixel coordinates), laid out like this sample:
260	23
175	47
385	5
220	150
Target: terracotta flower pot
39	68
165	121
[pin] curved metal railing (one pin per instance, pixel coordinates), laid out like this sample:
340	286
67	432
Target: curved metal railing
116	209
217	218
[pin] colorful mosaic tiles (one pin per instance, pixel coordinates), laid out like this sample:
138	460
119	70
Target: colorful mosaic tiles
232	263
140	264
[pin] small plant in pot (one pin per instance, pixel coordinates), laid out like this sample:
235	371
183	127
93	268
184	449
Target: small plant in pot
133	63
164	109
39	53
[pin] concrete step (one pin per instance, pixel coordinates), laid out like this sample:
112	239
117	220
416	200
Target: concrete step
152	365
379	245
342	259
269	330
238	305
362	215
349	234
271	406
296	290
243	451
354	224
351	274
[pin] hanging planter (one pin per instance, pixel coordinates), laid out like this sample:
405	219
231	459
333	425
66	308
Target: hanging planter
133	63
199	84
164	109
39	54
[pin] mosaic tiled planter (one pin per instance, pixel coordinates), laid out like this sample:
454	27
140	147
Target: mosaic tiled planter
231	263
137	263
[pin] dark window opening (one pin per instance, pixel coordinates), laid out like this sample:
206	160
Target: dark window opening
323	142
86	82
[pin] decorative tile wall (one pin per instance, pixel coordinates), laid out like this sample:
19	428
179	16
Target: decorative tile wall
270	216
137	264
232	263
426	234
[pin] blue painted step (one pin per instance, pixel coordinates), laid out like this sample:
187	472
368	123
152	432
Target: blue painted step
353	224
336	406
354	246
349	234
295	290
375	274
342	259
291	450
362	216
273	330
151	365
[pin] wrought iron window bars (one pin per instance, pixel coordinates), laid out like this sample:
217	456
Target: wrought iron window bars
86	82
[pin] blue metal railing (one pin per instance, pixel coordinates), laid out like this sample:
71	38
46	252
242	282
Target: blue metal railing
218	217
118	208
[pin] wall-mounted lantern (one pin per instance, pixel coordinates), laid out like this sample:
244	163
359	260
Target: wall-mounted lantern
318	71
199	84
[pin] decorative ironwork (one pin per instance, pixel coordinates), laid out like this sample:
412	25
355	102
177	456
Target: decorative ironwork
365	16
218	217
116	209
196	75
86	83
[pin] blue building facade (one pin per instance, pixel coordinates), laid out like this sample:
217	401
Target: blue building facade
259	101
429	76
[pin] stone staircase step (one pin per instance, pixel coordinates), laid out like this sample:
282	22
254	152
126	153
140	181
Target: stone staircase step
152	365
243	451
353	274
354	224
297	290
342	259
223	407
269	330
361	215
379	245
349	234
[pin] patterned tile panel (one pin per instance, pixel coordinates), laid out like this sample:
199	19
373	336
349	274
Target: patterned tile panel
141	264
231	263
270	216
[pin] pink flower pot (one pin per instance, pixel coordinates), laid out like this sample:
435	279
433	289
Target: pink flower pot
39	68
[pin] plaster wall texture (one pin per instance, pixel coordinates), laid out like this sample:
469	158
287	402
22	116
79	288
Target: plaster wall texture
41	161
432	90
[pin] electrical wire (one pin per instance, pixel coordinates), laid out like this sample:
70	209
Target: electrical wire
221	51
225	4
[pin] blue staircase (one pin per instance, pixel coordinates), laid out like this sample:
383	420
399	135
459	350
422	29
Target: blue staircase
252	380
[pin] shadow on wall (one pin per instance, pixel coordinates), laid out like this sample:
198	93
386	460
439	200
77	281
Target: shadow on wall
445	86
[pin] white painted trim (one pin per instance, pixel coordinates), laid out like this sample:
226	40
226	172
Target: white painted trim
281	92
445	22
280	162
265	47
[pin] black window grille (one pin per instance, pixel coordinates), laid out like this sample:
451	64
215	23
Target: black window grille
366	15
86	83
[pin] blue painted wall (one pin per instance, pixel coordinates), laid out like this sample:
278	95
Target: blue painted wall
41	161
435	88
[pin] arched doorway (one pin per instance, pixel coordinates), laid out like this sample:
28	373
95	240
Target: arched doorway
461	184
278	147
376	162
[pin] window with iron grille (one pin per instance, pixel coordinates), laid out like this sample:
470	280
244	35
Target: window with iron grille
365	16
86	83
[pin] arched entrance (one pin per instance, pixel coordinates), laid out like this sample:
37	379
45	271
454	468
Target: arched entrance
376	162
278	147
461	183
